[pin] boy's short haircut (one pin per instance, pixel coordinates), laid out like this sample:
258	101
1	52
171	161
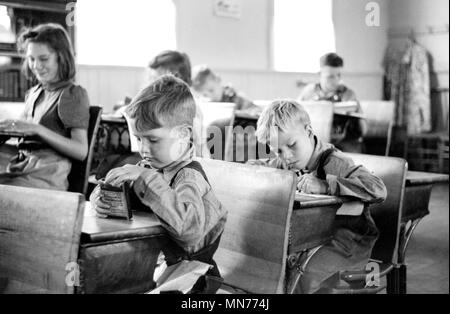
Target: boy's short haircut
332	60
201	73
278	116
167	102
175	62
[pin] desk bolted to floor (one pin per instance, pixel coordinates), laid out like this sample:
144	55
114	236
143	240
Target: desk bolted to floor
418	187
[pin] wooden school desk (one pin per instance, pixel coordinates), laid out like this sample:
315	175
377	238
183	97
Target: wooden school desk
112	137
416	201
418	187
118	255
322	208
312	220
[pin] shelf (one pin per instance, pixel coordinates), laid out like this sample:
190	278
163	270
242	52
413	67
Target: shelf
47	5
10	54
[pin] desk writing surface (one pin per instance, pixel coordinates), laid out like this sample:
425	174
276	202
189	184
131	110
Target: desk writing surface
16	133
312	220
421	178
245	114
96	229
112	118
317	200
354	115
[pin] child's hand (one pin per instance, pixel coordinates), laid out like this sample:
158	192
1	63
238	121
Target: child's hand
20	126
98	205
120	175
256	162
309	183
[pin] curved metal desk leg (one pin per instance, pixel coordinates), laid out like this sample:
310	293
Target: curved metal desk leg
301	266
401	271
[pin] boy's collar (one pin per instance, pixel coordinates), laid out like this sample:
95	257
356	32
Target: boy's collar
172	169
319	148
340	89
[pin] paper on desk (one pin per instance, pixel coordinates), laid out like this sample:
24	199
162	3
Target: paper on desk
354	208
351	104
310	195
180	277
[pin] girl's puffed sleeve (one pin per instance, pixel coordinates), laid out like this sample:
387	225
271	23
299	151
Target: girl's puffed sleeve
74	108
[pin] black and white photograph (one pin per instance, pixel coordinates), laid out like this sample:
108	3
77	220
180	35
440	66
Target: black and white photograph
224	151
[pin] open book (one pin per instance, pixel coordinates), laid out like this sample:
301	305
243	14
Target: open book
180	277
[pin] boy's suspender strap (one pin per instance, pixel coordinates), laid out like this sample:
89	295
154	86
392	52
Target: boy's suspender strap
192	165
322	159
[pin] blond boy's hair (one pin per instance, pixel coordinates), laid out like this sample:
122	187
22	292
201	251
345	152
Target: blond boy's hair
278	116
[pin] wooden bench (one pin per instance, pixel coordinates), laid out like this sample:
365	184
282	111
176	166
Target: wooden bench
253	250
39	239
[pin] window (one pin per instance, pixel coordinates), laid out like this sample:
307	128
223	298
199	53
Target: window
123	32
302	32
6	34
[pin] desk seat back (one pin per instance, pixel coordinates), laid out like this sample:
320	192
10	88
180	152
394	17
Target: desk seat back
321	116
79	174
387	215
218	119
39	236
253	249
379	116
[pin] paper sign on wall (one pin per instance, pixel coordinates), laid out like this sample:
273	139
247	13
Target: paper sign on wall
228	8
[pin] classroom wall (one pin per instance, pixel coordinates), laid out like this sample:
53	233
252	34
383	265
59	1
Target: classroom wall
106	85
229	43
240	48
418	15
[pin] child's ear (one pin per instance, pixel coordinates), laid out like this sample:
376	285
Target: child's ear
309	129
184	132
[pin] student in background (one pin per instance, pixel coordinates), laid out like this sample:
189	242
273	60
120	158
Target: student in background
56	114
167	62
323	169
167	180
178	64
171	62
331	88
209	85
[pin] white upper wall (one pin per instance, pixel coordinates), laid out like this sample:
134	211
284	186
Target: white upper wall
225	42
240	49
244	43
361	46
418	15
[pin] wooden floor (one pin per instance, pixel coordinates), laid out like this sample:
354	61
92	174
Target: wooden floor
428	254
